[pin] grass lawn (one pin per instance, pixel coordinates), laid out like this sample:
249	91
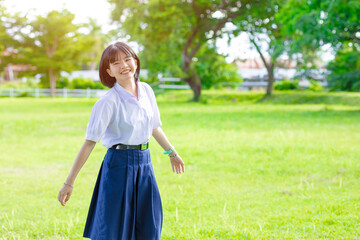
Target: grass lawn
286	167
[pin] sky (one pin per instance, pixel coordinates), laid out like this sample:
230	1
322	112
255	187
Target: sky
239	47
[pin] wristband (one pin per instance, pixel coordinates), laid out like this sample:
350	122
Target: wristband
169	151
69	185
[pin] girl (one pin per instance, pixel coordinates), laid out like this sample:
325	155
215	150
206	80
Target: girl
126	201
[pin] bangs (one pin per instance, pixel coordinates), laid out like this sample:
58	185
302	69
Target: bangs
113	54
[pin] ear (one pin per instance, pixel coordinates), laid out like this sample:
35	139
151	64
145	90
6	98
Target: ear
110	73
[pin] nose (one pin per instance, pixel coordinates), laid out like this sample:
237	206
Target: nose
123	64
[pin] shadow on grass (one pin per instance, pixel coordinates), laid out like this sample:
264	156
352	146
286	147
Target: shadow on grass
312	98
294	97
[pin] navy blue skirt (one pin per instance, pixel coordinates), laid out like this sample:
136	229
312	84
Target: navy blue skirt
126	202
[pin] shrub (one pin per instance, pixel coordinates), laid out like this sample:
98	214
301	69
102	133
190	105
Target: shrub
212	68
315	86
84	83
63	82
345	73
149	80
29	83
226	85
286	85
356	87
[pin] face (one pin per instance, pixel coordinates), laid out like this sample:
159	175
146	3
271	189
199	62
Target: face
123	69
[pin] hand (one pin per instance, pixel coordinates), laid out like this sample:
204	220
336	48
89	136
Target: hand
177	163
65	191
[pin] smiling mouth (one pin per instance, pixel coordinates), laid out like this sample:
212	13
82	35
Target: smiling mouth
126	72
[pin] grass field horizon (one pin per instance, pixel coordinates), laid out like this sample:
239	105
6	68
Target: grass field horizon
280	168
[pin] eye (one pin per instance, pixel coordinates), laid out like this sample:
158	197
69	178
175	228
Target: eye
128	59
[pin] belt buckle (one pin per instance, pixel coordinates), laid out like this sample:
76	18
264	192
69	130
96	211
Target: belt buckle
143	146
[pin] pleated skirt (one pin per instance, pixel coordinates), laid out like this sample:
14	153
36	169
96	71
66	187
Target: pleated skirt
126	203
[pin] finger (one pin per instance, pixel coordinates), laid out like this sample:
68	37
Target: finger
67	197
61	200
60	197
183	167
172	166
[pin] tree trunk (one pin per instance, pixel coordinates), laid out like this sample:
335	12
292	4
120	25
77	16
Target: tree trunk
195	84
269	67
52	77
270	70
193	80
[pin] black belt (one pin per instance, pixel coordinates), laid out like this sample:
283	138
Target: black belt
124	147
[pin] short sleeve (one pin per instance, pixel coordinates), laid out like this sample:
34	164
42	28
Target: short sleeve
156	113
100	118
156	118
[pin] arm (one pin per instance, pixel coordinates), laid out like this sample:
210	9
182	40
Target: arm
176	161
80	160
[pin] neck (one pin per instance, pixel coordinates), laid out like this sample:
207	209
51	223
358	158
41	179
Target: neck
128	85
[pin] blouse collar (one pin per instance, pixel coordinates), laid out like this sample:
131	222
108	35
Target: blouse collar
125	94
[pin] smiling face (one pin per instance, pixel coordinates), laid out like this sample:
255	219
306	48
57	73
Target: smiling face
116	62
123	68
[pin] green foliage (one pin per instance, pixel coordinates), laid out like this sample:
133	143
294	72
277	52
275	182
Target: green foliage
96	41
278	97
345	71
315	23
7	41
212	68
149	79
29	83
172	32
315	86
63	82
226	85
312	24
50	44
263	26
79	83
84	83
286	84
44	81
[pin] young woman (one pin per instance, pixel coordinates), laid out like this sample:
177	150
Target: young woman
126	201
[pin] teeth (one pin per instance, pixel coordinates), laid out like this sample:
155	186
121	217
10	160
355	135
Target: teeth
125	72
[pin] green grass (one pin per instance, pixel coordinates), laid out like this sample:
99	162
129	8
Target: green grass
259	169
279	97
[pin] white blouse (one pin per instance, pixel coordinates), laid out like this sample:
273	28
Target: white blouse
119	117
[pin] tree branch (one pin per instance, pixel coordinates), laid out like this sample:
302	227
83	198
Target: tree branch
259	51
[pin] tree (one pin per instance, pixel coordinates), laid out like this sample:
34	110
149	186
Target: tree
262	25
52	44
318	22
314	23
99	40
169	29
7	41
